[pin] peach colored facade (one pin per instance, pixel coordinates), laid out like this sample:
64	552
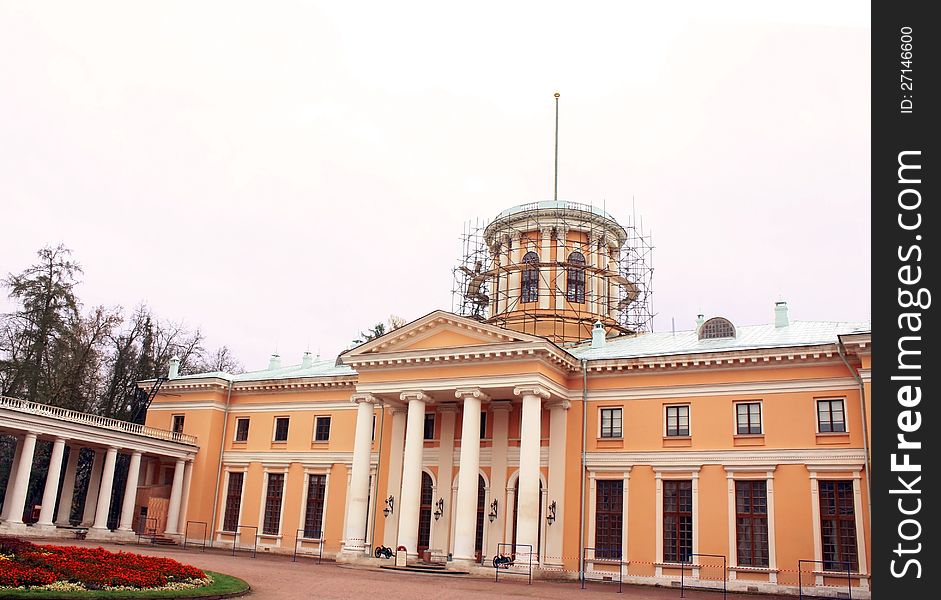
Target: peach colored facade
445	360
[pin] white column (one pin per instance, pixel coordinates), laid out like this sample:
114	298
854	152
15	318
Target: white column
396	448
21	484
104	490
185	502
527	517
442	529
499	444
91	493
562	252
130	493
68	487
8	495
50	491
358	500
176	496
465	532
150	472
411	471
558	412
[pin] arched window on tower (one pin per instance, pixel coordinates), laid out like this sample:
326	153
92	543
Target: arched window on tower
529	290
575	278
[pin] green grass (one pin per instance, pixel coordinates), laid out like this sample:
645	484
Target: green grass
222	584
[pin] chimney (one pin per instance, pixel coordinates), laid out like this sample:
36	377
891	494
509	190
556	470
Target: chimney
307	361
174	368
700	319
275	362
598	335
780	314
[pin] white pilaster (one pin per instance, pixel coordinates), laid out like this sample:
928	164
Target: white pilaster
558	411
527	517
411	471
91	492
50	491
465	532
545	276
68	487
130	493
442	529
104	490
516	255
561	253
176	496
358	499
396	448
21	484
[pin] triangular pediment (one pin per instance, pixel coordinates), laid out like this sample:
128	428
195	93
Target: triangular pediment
441	330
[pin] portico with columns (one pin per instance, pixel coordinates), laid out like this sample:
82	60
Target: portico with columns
71	433
468	428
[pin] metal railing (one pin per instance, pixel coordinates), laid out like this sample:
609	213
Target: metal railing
608	558
144	531
236	535
299	540
35	408
186	532
505	565
689	561
800	576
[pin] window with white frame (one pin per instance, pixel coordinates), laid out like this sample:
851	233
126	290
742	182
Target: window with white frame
429	433
281	428
233	501
322	429
831	416
610	422
241	429
748	418
178	421
271	521
316	498
677	420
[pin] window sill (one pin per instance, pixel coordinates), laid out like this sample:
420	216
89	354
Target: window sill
270	536
279	442
310	540
744	569
833	438
676	565
677	440
240	443
841	574
319	442
748	440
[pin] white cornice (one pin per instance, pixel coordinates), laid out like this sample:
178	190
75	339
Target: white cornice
278	457
481	381
843	456
724	389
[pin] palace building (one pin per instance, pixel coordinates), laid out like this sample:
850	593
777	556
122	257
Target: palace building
539	420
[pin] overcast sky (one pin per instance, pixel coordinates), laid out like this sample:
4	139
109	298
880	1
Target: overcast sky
284	174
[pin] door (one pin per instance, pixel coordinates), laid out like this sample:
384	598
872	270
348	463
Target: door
424	514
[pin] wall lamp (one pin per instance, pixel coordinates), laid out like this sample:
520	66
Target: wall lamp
493	511
439	508
550	514
390	506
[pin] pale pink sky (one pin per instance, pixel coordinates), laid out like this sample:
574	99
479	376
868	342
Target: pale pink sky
286	174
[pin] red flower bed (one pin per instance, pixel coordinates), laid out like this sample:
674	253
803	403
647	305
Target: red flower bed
31	565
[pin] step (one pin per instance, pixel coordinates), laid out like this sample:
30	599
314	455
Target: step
430	569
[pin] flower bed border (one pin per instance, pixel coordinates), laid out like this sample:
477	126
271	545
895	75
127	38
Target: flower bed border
203	593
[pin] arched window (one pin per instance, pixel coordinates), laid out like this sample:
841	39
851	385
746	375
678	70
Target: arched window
716	327
529	291
575	280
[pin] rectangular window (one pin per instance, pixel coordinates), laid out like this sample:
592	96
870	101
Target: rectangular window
830	416
751	523
241	429
610	422
678	421
677	520
609	514
233	502
281	428
429	426
322	429
483	425
838	525
748	418
272	519
313	517
373	438
178	423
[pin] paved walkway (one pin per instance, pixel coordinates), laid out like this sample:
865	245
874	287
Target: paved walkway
276	577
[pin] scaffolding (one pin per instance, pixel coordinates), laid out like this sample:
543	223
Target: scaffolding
516	272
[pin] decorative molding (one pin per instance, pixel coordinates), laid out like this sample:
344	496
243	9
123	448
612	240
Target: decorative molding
531	390
359	398
843	458
409	395
474	392
725	389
